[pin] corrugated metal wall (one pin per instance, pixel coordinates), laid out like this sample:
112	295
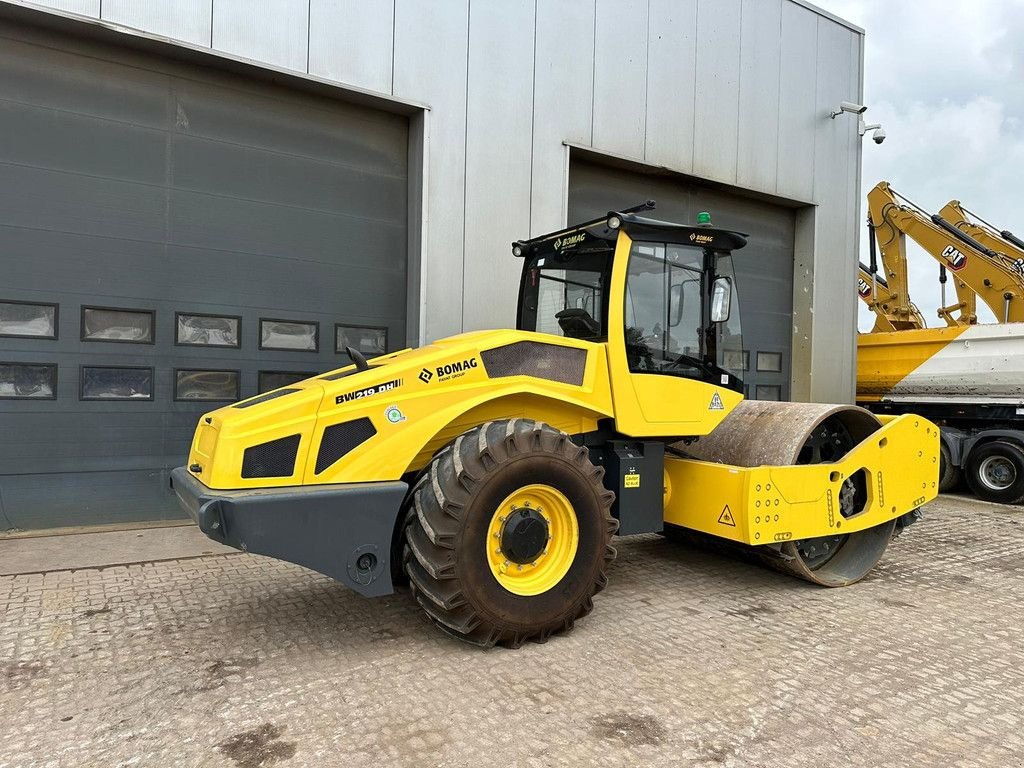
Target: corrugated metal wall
734	91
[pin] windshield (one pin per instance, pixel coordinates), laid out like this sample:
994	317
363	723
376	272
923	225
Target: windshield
565	295
664	309
666	314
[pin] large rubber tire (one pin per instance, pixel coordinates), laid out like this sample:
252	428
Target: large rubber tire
995	472
446	552
949	473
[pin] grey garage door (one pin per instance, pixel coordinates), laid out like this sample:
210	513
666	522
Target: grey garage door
764	268
172	238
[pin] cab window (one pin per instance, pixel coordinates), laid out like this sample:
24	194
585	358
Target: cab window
664	311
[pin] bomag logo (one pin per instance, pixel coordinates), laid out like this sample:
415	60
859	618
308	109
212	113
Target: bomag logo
569	242
449	371
957	260
697	238
863	287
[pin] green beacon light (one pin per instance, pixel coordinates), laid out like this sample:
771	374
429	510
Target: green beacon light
703	219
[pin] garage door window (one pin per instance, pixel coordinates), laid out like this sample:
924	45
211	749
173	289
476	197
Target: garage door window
28	381
114	383
768	392
203	384
769	361
130	326
193	329
271	380
369	340
289	335
20	319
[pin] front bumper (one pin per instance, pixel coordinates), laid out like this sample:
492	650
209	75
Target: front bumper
344	531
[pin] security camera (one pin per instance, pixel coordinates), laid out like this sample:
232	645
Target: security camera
879	132
848	106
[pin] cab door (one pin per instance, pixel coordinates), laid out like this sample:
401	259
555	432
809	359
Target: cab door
657	317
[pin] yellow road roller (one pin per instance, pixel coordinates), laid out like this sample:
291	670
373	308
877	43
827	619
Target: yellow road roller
490	470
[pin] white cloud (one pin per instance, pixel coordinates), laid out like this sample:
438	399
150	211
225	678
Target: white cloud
946	79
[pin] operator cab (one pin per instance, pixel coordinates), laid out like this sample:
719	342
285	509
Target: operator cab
680	314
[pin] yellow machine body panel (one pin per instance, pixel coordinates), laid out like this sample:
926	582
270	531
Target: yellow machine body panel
416	401
773	504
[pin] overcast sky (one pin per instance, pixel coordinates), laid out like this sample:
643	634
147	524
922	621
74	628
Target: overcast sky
946	80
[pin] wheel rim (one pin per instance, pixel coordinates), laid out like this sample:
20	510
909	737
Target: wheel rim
532	539
997	473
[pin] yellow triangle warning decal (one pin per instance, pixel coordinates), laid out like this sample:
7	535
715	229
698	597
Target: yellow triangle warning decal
716	403
726	517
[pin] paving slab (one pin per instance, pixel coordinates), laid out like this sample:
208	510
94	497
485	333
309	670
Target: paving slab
42	554
689	659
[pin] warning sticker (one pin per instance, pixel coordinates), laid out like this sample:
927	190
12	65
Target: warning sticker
632	481
716	403
726	517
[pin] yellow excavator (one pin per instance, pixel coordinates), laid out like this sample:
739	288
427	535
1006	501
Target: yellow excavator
967	377
1007	247
491	469
874	291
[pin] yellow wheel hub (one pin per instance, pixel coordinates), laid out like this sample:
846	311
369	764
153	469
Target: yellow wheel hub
532	540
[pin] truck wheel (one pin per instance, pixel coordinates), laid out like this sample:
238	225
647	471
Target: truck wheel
949	473
995	472
511	536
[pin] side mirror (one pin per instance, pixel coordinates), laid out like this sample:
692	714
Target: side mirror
675	305
721	299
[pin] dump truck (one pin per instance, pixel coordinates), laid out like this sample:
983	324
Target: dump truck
968	377
491	470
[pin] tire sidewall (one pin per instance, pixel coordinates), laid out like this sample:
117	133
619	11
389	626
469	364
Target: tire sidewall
562	601
1011	495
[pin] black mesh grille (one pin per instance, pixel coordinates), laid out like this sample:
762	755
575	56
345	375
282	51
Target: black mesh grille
263	398
273	459
542	361
342	438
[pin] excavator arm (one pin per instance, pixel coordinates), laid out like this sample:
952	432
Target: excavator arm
892	222
1005	251
874	291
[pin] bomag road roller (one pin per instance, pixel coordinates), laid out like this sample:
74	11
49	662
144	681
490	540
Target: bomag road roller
490	470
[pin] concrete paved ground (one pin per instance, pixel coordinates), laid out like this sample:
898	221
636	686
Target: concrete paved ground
41	554
688	659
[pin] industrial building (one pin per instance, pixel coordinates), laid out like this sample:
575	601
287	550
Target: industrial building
203	200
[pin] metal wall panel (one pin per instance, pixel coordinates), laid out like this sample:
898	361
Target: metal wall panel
130	182
833	358
799	120
499	118
84	7
764	268
758	140
643	59
419	25
352	41
620	76
272	31
563	102
717	110
671	82
188	20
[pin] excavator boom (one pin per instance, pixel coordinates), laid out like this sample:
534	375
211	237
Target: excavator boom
892	222
1004	251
